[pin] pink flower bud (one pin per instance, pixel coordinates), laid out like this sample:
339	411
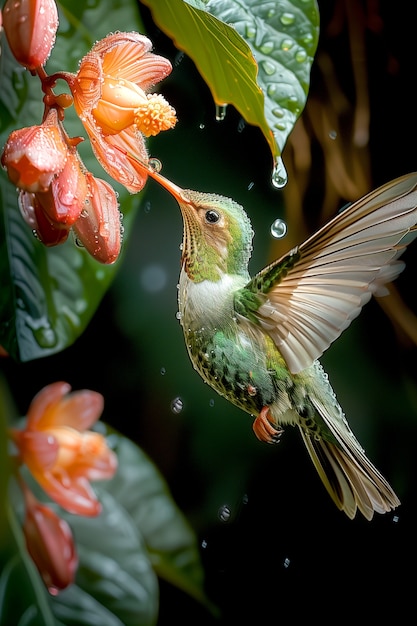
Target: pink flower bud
50	543
98	228
30	27
46	231
34	155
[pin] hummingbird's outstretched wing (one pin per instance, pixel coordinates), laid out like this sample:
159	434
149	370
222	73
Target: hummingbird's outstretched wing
308	297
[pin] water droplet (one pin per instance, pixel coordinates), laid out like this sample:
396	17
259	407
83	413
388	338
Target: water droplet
287	19
278	228
45	336
211	402
224	513
250	32
178	315
163	371
155	164
177	405
202	126
204	544
287	44
279	174
251	185
395	519
178	58
147	207
220	112
286	562
333	134
278	112
267	47
245	498
268	67
301	56
241	125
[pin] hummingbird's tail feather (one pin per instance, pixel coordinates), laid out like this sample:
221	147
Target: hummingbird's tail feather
350	478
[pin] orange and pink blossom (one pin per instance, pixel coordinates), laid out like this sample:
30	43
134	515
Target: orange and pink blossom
111	99
59	450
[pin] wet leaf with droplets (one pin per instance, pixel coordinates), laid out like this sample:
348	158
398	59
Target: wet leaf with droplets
254	55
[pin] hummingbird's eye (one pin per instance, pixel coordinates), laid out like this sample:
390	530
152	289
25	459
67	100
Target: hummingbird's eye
212	216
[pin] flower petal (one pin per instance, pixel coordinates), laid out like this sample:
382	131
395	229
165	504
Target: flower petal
41	413
79	410
38	450
114	161
124	61
75	494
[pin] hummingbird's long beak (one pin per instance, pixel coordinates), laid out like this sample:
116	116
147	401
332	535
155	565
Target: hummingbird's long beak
178	193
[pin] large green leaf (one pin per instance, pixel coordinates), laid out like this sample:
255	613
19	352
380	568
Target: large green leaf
50	294
169	539
254	55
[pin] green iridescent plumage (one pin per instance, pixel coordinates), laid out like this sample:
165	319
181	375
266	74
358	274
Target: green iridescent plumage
256	340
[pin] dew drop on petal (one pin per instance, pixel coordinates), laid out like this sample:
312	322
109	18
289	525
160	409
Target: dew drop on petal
155	164
224	513
177	405
278	228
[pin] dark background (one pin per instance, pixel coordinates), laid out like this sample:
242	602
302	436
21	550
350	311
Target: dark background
285	551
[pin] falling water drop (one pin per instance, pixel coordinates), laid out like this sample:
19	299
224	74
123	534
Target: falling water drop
177	405
279	174
278	228
220	112
224	513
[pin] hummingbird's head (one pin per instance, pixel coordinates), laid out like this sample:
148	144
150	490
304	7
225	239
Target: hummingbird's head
217	236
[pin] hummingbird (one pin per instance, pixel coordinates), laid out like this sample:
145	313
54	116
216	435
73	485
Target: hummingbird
257	340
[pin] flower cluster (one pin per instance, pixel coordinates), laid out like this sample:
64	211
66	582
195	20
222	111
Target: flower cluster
110	93
63	456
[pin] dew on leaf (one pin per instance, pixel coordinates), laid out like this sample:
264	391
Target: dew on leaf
287	19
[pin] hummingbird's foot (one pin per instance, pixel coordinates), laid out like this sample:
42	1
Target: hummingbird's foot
264	429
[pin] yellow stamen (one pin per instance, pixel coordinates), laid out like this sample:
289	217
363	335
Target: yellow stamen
154	115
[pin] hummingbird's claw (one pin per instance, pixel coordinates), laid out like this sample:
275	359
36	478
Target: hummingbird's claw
264	429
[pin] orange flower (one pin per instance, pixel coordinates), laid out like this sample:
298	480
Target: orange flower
110	97
58	450
50	543
30	27
35	155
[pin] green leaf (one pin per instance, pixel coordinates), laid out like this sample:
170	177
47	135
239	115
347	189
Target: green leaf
254	55
115	583
50	294
169	540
